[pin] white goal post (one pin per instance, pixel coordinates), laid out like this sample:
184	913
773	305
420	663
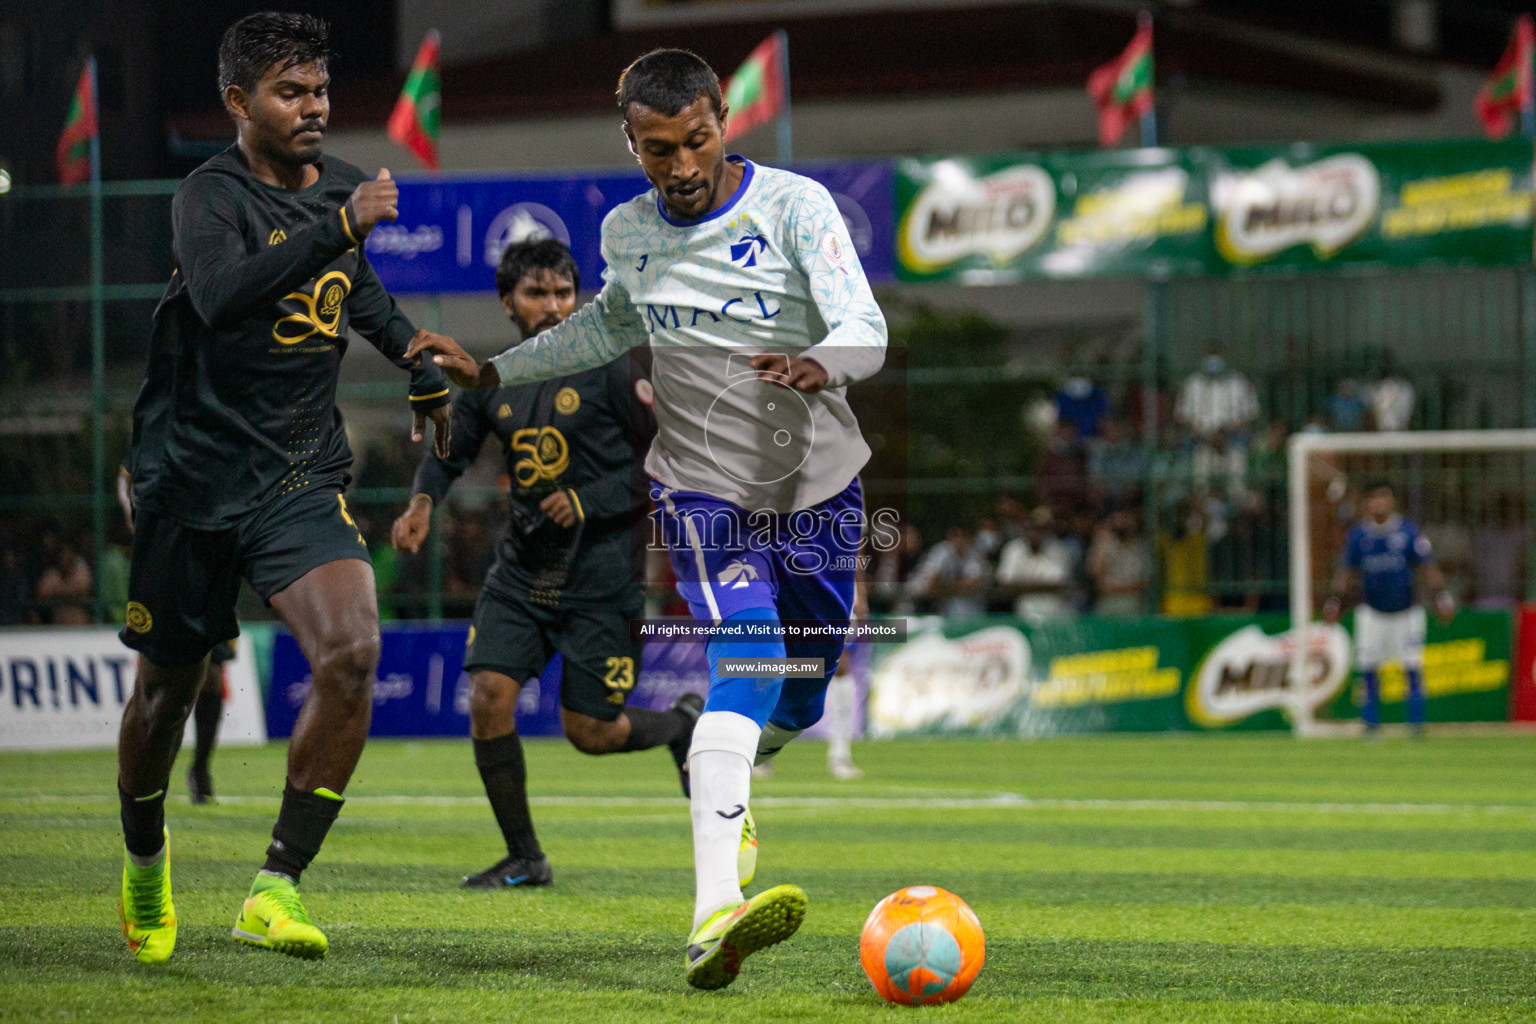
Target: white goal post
1301	447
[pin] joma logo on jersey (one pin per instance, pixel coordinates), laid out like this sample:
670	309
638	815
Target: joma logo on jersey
743	309
746	249
545	454
738	574
320	312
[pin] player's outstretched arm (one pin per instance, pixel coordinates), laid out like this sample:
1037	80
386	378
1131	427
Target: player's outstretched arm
597	333
854	347
227	284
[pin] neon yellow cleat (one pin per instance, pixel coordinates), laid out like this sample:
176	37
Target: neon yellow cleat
719	945
146	911
746	855
273	918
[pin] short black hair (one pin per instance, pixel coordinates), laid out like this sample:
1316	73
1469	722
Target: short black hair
258	42
667	81
524	257
1380	484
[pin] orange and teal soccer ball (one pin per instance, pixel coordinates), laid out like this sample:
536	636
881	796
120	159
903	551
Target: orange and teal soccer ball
922	945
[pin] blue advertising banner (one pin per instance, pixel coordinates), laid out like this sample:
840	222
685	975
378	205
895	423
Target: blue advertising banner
421	688
451	232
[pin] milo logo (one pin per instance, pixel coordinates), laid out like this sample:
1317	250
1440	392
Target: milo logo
956	215
1265	211
1249	672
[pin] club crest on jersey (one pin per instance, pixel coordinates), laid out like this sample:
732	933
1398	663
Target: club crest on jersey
738	574
747	248
567	401
320	311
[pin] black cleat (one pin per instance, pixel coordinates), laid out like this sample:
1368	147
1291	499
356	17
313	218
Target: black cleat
200	785
511	872
690	706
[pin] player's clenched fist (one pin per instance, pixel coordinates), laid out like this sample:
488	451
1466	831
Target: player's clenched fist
412	526
372	202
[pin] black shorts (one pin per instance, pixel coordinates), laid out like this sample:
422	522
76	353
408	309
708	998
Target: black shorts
516	637
183	582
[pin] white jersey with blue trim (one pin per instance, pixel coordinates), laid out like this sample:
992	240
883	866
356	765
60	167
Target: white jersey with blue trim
771	271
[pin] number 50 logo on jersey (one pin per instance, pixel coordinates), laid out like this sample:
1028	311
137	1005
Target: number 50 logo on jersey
321	312
545	454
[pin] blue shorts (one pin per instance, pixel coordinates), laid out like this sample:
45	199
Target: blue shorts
727	559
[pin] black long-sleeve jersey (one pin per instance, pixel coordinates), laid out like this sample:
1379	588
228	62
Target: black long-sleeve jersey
587	434
238	407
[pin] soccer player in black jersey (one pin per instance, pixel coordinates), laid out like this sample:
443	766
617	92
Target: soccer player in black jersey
240	459
567	574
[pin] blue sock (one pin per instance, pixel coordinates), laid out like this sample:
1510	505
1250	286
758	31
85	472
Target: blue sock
1415	696
1370	712
754	698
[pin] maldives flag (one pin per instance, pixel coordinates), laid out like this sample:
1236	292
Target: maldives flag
413	123
1123	87
759	90
73	155
1507	91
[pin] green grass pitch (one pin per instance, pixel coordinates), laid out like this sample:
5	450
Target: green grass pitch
1196	878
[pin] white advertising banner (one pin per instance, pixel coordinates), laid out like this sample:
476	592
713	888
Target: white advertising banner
65	688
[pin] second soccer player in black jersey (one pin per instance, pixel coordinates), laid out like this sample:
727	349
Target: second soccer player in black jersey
240	458
567	576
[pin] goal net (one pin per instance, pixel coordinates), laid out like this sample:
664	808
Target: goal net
1470	491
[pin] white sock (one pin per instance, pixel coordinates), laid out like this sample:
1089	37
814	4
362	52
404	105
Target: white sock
772	741
840	697
720	777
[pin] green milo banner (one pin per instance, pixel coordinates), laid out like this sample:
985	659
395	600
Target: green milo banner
1001	676
1167	212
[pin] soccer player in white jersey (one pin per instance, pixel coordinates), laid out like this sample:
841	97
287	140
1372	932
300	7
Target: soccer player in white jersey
744	281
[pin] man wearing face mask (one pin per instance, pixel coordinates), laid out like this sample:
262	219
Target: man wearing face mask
1218	405
562	581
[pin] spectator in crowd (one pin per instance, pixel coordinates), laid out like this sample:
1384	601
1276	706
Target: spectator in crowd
1035	570
1391	397
1347	406
1061	476
989	541
1498	556
15	589
952	578
1266	457
1012	517
64	590
114	568
470	551
1082	403
1185	555
1218	405
1116	465
1117	561
893	568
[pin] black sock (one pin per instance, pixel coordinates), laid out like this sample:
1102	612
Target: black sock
206	714
649	729
505	775
301	826
143	823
